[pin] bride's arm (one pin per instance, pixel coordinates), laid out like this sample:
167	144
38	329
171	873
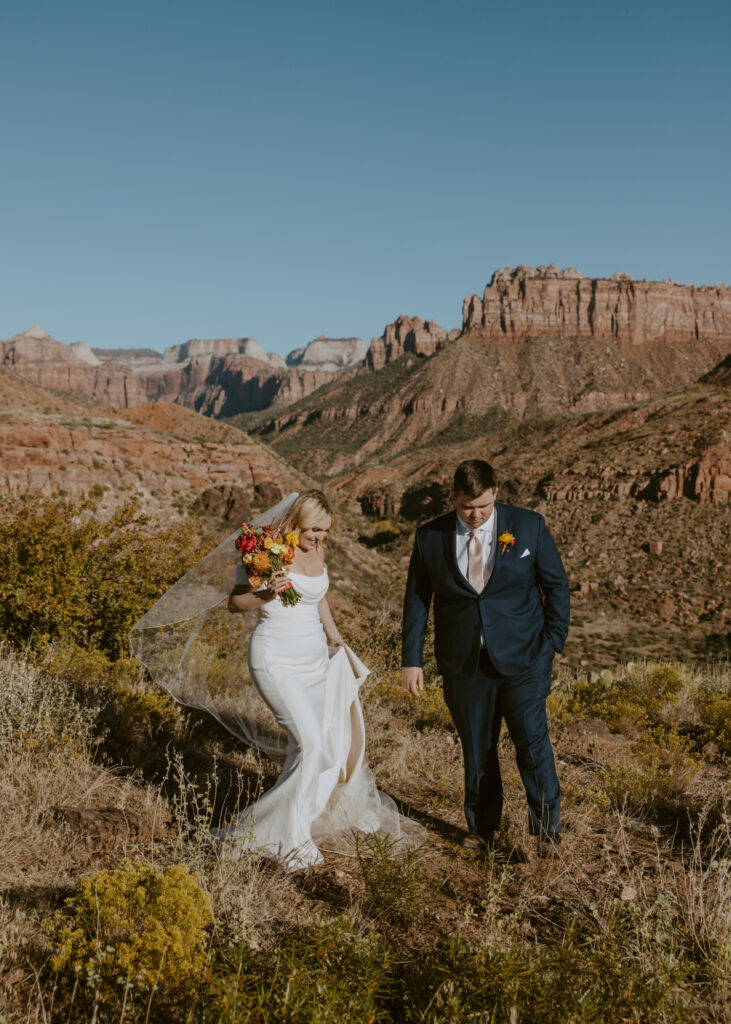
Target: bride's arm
243	599
328	624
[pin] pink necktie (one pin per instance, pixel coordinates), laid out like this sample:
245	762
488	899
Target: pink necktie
475	562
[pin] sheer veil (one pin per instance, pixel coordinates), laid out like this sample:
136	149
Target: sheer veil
197	650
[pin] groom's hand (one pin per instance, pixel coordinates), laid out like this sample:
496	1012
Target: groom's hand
413	680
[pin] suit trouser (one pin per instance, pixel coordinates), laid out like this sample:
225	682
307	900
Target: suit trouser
477	706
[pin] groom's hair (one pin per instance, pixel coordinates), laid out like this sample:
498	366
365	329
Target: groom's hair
473	477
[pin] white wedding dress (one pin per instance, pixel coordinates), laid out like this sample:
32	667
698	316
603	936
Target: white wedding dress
326	790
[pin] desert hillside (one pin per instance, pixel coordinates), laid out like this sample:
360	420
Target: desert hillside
117	903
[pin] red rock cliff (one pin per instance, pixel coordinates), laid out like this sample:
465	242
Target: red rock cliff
407	334
526	301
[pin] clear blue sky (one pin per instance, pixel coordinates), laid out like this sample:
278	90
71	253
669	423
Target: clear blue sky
282	170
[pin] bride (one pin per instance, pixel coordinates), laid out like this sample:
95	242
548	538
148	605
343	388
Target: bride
303	672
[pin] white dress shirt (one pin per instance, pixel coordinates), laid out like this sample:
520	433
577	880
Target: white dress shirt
487	538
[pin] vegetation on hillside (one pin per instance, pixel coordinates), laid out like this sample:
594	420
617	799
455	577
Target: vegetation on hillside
117	907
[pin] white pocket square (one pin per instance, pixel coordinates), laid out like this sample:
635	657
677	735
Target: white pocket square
525	553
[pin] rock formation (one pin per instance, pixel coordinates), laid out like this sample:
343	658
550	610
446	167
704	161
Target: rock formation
407	335
329	354
82	351
166	456
525	302
225	386
221	347
138	358
706	480
37	357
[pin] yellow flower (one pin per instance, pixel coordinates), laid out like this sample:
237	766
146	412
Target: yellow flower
268	542
293	538
248	558
505	540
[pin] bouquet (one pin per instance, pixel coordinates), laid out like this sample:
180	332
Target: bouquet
265	551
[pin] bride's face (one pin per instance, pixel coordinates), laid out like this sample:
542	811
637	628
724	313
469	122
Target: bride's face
315	536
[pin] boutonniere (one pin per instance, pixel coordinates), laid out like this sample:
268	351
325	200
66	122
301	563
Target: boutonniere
506	540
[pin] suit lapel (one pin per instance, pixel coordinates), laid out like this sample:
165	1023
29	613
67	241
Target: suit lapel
450	555
502	513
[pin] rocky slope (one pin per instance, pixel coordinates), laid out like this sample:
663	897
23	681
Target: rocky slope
37	357
170	458
475	384
637	499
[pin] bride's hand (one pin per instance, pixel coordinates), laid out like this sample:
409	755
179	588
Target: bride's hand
276	583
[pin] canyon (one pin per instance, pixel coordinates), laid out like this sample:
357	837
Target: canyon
217	377
603	403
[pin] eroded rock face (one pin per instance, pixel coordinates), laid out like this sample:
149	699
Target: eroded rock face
225	386
407	335
706	480
37	357
82	351
222	347
525	301
166	456
329	354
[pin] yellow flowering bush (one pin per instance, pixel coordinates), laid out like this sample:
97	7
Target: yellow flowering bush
68	573
134	929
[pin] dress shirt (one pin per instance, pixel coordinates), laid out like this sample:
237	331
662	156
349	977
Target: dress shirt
487	538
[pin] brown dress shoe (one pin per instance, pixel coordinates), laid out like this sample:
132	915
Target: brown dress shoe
548	844
474	841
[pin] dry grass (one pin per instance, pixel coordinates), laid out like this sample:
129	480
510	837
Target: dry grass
632	910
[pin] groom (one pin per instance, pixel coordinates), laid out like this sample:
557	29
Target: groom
501	611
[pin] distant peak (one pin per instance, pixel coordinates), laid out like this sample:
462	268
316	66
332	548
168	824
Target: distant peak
36	332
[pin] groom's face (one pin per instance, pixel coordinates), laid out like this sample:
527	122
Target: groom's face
475	511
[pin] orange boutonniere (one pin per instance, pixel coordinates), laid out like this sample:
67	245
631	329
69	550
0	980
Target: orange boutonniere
505	540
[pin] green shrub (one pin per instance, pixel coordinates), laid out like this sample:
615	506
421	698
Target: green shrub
66	573
657	777
133	932
588	977
715	711
395	892
627	703
328	973
428	710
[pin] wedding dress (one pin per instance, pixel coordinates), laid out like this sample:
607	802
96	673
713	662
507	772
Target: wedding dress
326	788
279	691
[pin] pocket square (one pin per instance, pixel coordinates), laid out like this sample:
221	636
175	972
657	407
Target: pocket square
525	553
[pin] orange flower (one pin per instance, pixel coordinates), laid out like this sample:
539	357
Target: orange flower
261	561
255	582
289	555
505	540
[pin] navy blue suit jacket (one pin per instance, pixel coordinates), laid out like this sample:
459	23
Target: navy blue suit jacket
522	612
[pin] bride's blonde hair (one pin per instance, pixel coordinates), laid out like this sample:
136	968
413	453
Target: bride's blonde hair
308	508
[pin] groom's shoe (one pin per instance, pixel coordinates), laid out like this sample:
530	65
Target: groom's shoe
480	844
548	844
